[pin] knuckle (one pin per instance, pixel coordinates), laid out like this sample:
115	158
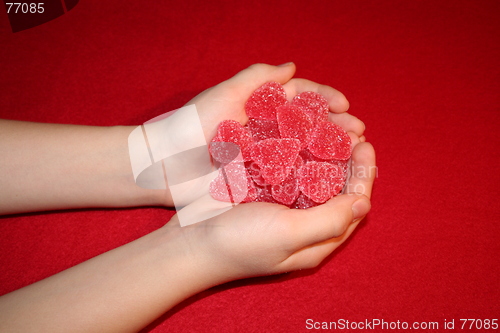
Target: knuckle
340	225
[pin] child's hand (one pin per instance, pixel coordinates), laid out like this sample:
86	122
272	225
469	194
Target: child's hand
227	99
261	238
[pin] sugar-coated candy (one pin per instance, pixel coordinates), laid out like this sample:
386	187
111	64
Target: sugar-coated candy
231	184
342	168
330	142
264	194
314	104
320	181
307	156
236	137
224	152
294	123
290	153
303	202
287	192
275	158
299	162
263	102
254	171
262	129
252	190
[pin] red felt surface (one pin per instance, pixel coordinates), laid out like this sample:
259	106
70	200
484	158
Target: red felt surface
423	75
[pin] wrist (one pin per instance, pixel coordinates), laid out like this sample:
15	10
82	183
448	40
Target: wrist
187	262
128	192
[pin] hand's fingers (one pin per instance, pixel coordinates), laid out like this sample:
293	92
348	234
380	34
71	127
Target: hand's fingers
354	139
363	170
256	75
330	220
311	256
348	122
336	100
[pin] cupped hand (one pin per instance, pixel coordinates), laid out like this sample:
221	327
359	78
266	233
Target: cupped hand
227	99
255	239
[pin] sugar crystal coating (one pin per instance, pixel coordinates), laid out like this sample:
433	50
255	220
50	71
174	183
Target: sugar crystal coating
252	190
263	102
275	158
320	181
224	152
299	162
264	194
342	169
231	184
341	166
255	173
313	104
303	202
262	129
288	191
294	123
308	156
330	142
292	154
230	131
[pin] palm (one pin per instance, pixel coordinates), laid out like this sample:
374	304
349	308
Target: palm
262	238
226	101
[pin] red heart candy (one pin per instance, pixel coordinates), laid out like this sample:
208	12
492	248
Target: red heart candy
320	181
294	123
275	158
303	202
254	171
313	104
231	137
262	129
330	142
231	185
263	102
288	191
264	194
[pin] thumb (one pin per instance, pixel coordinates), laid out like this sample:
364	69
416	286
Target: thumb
330	219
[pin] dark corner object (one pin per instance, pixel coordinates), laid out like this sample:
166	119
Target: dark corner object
26	15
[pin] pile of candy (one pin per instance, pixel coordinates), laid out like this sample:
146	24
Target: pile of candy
290	153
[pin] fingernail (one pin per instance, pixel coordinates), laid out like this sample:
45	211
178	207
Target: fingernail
286	64
360	208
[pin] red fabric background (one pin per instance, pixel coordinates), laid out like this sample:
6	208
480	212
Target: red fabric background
423	75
